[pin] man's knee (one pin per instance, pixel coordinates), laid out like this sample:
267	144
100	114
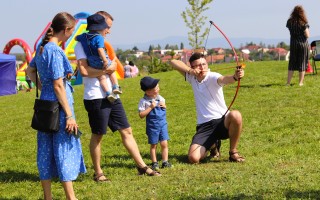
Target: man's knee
193	159
96	138
125	133
235	117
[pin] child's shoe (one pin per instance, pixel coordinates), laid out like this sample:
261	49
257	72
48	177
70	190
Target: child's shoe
166	164
155	166
116	89
111	97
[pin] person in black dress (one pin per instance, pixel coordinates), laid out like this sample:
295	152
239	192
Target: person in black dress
299	46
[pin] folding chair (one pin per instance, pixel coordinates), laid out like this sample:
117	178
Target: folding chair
315	54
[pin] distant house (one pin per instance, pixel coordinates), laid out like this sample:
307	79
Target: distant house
185	55
280	51
252	48
218	50
167	58
138	54
215	59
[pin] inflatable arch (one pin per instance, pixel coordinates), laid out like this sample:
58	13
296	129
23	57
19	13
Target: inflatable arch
22	44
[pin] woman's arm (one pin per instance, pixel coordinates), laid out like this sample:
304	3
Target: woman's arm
60	91
307	33
31	72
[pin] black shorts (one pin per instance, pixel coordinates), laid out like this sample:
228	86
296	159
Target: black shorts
209	132
102	113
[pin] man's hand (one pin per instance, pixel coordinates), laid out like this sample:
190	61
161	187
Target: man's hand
239	73
112	67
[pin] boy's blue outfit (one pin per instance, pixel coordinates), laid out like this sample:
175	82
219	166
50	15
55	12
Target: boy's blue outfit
91	42
156	123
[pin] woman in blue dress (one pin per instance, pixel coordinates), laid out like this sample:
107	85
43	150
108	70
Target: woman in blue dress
59	154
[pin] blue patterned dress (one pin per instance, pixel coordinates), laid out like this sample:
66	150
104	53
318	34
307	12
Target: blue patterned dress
59	154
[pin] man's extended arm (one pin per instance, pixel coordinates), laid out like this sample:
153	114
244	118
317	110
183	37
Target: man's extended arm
180	66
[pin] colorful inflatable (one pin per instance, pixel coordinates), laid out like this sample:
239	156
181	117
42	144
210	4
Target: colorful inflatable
112	55
68	47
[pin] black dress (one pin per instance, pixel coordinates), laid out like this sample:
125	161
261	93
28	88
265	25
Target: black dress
299	46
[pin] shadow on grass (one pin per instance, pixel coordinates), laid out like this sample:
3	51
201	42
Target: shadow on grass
14	176
125	161
314	194
274	84
121	161
239	196
12	198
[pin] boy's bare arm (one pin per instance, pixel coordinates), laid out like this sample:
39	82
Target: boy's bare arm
103	57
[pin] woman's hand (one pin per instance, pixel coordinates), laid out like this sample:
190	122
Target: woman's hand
71	125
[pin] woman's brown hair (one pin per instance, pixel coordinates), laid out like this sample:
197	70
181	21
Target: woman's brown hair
298	14
60	22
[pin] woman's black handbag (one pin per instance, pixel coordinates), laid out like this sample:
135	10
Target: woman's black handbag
46	116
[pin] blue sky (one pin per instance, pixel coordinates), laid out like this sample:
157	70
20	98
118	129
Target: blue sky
138	21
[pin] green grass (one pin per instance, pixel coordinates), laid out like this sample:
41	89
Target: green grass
280	142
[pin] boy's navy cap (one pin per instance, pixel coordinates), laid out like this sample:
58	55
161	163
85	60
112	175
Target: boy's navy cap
148	82
96	22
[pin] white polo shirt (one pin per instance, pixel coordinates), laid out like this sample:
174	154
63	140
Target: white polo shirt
209	98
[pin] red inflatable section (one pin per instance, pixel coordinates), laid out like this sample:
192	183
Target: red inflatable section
112	55
22	44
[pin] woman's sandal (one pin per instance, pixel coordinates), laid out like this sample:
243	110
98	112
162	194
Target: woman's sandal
234	158
99	178
143	170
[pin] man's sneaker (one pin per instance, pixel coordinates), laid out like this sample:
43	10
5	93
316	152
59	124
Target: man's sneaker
116	89
166	165
155	166
112	97
215	150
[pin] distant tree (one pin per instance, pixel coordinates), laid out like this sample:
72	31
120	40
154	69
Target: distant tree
150	51
167	46
181	45
195	20
135	48
158	47
261	44
250	44
210	52
283	45
172	53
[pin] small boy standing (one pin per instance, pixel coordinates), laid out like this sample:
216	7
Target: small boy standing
93	46
153	107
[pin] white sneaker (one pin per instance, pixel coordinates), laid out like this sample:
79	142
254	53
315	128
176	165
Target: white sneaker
112	97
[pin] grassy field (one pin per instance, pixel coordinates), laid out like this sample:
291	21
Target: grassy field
280	142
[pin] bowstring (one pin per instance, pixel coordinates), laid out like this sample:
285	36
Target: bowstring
205	45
